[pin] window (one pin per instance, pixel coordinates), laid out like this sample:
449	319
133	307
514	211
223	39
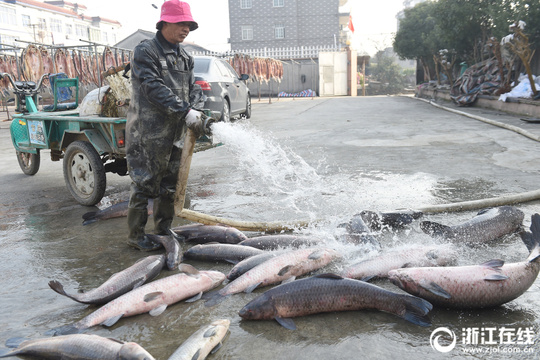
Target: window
56	25
80	30
42	24
245	4
26	20
95	35
247	32
69	29
279	31
7	16
105	37
279	3
7	40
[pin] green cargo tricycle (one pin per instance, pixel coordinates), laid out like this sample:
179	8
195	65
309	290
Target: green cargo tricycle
90	146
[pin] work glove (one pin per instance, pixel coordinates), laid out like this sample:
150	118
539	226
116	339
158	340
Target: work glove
194	122
199	123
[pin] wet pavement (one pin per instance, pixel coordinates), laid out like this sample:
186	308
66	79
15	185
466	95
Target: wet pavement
333	158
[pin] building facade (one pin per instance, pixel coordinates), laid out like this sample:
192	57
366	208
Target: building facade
286	23
57	23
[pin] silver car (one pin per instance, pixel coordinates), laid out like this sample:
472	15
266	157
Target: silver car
227	93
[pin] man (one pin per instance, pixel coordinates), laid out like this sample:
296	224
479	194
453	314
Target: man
161	107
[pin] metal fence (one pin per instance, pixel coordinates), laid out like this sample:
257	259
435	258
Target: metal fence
299	52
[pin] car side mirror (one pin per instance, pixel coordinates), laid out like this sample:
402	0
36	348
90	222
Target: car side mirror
244	77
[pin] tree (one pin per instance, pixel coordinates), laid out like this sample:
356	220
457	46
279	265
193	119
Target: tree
388	73
417	37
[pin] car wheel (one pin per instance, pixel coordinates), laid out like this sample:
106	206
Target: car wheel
226	114
84	173
247	114
28	162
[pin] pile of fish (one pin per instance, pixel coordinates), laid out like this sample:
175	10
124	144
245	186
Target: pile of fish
34	61
258	69
427	273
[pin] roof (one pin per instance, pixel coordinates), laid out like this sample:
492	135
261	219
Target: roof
41	5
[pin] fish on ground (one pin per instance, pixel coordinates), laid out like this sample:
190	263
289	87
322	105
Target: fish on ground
488	225
136	275
284	267
249	263
328	293
202	234
403	257
204	341
274	242
114	211
79	347
232	253
153	297
490	284
173	250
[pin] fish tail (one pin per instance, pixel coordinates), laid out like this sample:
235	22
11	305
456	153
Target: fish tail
213	298
59	288
532	238
65	330
417	310
90	217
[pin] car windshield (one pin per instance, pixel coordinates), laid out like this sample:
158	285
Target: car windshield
201	65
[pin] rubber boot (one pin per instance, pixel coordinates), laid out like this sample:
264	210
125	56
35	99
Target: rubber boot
136	223
163	215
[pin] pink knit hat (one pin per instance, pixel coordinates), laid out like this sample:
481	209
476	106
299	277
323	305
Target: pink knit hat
175	11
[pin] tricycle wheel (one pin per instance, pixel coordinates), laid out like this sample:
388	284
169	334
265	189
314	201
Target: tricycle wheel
28	162
84	173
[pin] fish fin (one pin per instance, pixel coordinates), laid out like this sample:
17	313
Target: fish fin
436	289
216	348
58	287
15	342
64	330
291	279
494	263
316	255
287	323
141	281
495	277
434	229
188	269
417	310
210	332
284	270
367	278
215	299
112	320
230	261
483	211
250	289
152	296
158	310
196	355
116	340
329	276
195	298
177	236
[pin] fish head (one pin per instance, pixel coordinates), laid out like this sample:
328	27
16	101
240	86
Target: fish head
259	308
403	280
133	351
217	277
220	327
